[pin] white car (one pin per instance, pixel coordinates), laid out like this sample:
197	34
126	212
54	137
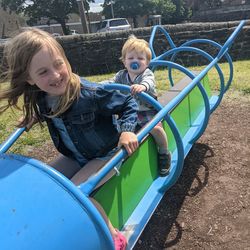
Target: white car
56	34
74	32
114	24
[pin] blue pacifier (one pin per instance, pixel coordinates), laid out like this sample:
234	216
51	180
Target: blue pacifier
134	65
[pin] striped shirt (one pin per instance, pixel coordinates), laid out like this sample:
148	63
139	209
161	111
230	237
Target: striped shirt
146	79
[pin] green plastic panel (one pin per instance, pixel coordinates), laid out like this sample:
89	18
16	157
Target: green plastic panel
121	194
196	101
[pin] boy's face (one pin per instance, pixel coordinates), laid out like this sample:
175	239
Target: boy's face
49	72
134	57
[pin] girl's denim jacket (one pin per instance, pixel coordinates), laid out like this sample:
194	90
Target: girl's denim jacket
89	120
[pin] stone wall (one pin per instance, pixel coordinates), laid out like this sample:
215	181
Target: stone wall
99	53
222	14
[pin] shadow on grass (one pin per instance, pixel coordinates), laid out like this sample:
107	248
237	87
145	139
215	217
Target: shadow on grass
165	216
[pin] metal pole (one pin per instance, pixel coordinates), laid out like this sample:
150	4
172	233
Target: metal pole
112	9
83	16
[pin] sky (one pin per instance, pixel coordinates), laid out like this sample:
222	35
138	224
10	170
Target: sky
95	7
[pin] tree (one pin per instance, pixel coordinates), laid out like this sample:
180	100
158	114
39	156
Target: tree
165	8
172	11
182	11
128	8
57	10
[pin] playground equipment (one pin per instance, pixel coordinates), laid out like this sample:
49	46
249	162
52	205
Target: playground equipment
41	209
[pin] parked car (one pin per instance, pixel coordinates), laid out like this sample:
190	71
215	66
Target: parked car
74	32
56	34
114	24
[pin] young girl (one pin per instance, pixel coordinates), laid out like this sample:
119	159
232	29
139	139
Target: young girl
136	56
78	113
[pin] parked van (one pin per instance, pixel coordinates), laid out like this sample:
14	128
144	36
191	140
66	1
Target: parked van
114	24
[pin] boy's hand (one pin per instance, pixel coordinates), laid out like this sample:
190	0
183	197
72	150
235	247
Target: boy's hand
137	88
129	141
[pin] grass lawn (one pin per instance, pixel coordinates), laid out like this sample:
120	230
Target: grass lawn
37	136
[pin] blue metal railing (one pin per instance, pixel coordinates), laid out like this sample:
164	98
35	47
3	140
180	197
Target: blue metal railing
218	46
88	186
174	50
4	147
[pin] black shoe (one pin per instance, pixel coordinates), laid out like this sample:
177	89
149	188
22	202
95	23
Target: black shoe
164	162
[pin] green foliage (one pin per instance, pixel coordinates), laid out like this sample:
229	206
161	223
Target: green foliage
183	12
172	11
128	8
165	8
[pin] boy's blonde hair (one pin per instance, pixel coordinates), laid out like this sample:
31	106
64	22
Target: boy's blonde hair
139	45
18	54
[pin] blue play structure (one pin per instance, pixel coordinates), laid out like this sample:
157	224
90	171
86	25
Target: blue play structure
41	209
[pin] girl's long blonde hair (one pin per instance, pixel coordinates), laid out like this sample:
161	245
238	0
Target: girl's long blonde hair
17	57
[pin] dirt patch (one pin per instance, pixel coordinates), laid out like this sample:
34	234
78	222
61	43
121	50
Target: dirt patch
209	206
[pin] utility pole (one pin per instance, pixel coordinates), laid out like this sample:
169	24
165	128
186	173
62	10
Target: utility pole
112	9
83	16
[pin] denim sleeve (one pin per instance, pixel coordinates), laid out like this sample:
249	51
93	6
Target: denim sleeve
110	102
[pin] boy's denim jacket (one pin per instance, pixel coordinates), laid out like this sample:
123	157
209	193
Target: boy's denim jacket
89	120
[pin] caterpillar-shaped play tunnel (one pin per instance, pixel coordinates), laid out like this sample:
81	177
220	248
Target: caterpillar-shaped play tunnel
41	209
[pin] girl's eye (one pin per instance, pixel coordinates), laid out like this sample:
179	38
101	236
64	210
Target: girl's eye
59	63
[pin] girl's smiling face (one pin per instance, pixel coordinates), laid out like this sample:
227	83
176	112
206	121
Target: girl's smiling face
49	72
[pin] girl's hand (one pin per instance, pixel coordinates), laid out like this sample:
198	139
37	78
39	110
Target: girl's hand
129	141
137	88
